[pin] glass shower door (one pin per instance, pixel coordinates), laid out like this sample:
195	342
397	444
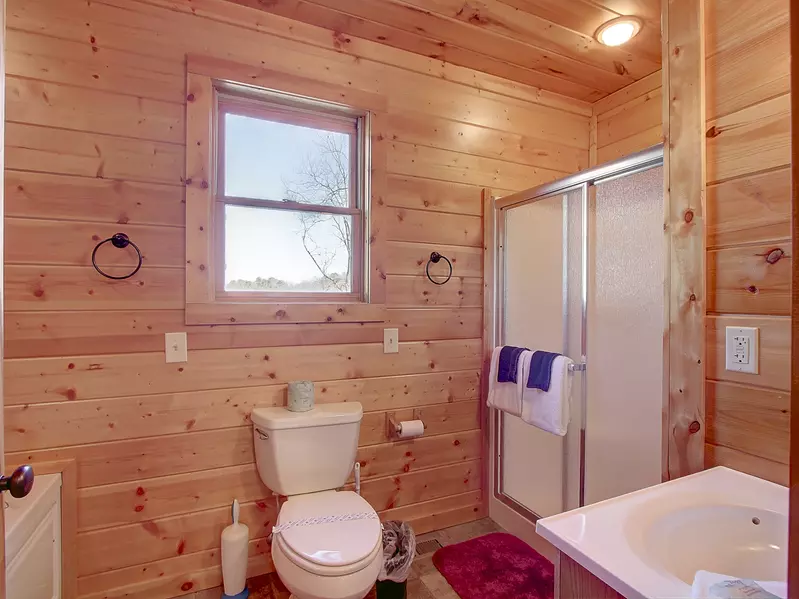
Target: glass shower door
542	287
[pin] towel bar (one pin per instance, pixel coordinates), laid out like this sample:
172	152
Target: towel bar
577	367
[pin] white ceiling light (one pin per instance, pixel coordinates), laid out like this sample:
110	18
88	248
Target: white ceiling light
618	31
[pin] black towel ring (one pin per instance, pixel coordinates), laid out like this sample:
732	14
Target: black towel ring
435	258
121	241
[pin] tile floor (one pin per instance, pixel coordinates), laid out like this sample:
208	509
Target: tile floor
425	582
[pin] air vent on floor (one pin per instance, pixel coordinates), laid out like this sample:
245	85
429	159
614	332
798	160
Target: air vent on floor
426	547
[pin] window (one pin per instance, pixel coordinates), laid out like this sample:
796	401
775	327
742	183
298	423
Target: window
290	182
278	183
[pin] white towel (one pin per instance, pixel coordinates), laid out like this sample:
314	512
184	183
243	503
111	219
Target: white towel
504	396
709	585
548	410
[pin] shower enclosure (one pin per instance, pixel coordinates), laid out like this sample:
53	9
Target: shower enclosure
576	267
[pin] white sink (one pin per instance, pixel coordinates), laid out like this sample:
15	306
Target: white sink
743	542
650	544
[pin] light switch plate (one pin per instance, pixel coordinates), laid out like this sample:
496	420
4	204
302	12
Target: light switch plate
743	349
390	341
176	347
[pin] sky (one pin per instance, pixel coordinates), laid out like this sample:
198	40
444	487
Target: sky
259	156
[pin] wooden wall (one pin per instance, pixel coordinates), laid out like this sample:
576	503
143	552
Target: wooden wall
95	145
749	208
628	121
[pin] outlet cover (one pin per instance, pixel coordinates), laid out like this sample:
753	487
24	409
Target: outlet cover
743	349
176	347
390	341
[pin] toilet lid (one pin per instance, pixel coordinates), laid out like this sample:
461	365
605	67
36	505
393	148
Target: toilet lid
340	543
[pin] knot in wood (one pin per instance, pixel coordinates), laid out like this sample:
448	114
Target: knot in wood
694	427
775	256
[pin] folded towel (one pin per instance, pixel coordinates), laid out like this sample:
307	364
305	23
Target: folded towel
508	363
541	370
503	396
709	585
548	410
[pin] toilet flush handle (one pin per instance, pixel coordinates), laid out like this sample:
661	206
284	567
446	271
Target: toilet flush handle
263	436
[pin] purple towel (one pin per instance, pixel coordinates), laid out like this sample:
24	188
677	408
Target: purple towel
541	370
508	363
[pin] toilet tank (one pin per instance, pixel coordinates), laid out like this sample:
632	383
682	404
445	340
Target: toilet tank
306	452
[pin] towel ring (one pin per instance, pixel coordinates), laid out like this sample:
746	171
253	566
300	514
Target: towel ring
435	258
121	241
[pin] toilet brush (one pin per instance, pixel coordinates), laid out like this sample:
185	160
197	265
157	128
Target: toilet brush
235	541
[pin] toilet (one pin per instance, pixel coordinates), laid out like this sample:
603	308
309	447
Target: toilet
328	543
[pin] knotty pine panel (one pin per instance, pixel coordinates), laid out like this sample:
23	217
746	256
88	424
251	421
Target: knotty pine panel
416	291
519	147
150	498
102	420
65	243
65	152
88	377
42	334
74	108
411	259
96	146
79	198
749	419
750	279
429	194
748	220
629	120
754	139
34	287
717	455
751	209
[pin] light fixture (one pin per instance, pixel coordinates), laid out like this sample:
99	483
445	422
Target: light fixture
618	31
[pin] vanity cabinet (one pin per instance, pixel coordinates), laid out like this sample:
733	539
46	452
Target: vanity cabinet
572	581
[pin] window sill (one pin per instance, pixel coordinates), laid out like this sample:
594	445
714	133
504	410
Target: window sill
283	313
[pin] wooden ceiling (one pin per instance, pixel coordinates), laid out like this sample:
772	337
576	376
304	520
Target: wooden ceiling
545	43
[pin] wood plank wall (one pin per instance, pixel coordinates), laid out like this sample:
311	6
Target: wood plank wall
628	121
749	210
95	145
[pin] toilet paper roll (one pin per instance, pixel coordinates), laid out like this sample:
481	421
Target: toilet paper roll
410	428
301	396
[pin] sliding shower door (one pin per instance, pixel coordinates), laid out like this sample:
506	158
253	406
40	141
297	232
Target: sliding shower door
580	271
542	282
624	406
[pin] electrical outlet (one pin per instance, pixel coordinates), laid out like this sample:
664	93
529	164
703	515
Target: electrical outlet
176	347
743	349
390	341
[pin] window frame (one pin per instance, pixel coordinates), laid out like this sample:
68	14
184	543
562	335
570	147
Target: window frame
207	79
289	109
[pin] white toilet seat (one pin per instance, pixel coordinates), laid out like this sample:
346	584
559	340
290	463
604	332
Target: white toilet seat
339	559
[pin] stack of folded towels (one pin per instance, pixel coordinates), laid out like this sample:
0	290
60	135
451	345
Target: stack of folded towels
533	385
709	585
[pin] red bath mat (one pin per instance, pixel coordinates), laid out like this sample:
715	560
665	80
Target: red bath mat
499	566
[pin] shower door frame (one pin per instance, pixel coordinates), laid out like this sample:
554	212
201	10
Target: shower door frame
494	314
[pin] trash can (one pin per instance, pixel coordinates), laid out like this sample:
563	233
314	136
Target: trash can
399	549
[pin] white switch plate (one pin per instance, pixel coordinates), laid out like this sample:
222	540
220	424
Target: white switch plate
390	341
176	347
743	349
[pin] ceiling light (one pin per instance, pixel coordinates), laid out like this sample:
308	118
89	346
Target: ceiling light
618	31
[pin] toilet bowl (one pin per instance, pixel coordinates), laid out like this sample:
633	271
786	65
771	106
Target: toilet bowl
327	544
330	560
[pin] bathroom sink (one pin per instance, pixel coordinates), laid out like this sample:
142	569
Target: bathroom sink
740	541
649	544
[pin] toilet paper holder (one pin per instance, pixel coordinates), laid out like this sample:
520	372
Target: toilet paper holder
393	425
